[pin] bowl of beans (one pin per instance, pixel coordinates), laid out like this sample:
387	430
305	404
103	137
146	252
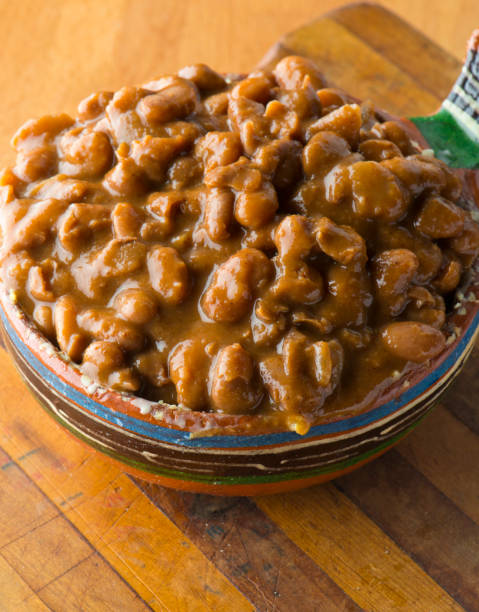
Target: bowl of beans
236	284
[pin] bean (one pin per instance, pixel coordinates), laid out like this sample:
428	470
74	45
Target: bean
428	254
217	104
94	105
347	301
267	325
413	341
284	123
39	285
232	381
449	277
376	193
61	187
439	218
344	121
136	305
43	317
432	314
94	272
466	245
253	209
337	182
165	207
293	238
301	284
119	257
153	155
296	379
168	274
332	98
40	131
70	338
297	282
35	226
291	72
280	160
15	270
123	121
341	242
125	380
36	163
175	101
203	77
218	149
304	102
184	131
80	222
293	353
452	190
240	176
396	133
393	272
152	365
231	291
247	118
257	87
184	171
262	238
126	179
417	175
325	362
102	324
378	150
421	297
105	356
323	151
188	368
218	215
126	221
85	153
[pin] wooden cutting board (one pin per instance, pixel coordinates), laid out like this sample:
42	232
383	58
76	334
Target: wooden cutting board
400	534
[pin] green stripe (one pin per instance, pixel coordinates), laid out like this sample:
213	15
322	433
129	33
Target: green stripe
449	141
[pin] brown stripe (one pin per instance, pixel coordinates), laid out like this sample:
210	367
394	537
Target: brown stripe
462	400
250	550
425	523
392	37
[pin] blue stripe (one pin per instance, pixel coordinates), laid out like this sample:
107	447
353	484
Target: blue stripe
172	436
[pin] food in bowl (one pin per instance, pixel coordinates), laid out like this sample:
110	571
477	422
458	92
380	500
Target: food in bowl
247	246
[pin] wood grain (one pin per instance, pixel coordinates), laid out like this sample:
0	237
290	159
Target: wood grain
78	534
355	552
15	594
423	522
261	561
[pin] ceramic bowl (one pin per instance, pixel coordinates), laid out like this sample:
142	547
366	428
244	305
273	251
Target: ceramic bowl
240	455
158	442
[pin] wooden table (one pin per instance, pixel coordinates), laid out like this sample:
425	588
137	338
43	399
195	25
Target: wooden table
78	534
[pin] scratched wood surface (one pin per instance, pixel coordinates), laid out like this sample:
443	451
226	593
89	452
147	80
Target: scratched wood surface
400	534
